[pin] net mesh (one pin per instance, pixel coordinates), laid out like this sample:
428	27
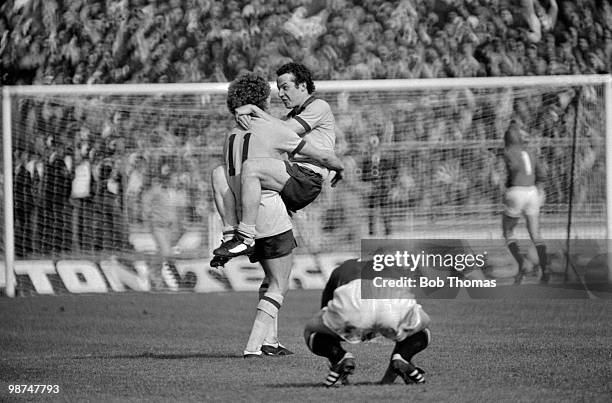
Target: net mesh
428	164
420	163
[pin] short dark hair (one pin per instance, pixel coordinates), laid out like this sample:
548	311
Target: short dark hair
301	74
248	88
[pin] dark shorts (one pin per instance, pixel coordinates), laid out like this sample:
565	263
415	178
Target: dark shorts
303	186
273	247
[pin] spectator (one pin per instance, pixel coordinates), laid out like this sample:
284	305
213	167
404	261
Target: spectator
379	170
57	228
191	41
535	64
82	198
547	17
23	200
106	205
136	175
164	206
120	43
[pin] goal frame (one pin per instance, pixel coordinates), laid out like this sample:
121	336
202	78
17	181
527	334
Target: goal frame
345	85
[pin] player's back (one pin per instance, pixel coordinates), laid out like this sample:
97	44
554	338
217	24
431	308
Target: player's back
520	166
392	312
347	278
262	140
270	140
347	272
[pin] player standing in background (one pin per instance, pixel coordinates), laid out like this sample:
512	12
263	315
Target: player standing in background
299	181
265	141
164	205
345	316
523	197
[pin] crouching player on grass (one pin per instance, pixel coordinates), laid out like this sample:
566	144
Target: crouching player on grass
345	316
524	196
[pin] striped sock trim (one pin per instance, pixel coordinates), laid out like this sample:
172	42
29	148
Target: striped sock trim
270	303
331	378
343	371
228	233
416	376
248	232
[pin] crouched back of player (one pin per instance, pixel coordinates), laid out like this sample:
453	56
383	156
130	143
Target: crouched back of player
345	316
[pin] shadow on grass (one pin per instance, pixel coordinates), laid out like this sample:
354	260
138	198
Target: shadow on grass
156	356
320	385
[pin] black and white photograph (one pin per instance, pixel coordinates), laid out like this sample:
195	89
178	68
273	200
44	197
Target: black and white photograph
306	200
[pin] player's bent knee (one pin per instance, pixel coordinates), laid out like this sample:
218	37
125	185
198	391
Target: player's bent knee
308	332
315	325
278	271
414	344
425	319
270	303
427	333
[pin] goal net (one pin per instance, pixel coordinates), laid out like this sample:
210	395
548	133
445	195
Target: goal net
423	160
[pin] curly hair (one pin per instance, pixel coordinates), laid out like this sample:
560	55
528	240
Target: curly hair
301	74
248	88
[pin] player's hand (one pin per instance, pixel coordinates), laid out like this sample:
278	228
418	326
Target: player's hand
244	110
243	120
337	178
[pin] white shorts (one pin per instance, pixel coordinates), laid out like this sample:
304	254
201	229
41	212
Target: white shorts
520	200
355	319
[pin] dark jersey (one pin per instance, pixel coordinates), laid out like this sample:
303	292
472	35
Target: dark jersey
343	274
521	167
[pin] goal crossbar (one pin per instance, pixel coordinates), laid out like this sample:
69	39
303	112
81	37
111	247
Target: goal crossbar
343	85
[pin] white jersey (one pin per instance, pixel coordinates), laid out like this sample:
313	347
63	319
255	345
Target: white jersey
262	140
357	319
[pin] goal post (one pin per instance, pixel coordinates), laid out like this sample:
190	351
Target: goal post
9	242
608	153
422	157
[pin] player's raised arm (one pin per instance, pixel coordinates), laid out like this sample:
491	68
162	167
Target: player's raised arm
254	110
244	112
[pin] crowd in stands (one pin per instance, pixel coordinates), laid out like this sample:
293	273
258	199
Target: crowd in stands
152	41
112	41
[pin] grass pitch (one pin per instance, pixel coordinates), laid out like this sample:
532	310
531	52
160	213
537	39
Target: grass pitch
188	347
